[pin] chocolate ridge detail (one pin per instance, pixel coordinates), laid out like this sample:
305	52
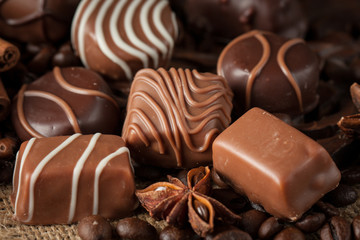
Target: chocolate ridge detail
176	89
259	35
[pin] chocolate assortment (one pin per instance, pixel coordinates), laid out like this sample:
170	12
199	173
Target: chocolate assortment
64	179
179	119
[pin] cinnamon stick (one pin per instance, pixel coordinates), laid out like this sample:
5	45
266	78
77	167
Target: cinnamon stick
4	102
9	55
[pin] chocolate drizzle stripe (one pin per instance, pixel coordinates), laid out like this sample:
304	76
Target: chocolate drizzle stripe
107	51
22	119
67	109
71	88
120	43
257	69
82	29
30	17
76	174
99	169
76	31
281	61
39	169
23	157
142	137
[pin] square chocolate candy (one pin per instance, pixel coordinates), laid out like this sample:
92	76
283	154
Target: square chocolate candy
274	164
64	179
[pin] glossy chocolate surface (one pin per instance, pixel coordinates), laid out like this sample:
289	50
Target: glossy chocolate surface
274	164
117	38
36	20
174	116
227	19
63	102
64	179
271	72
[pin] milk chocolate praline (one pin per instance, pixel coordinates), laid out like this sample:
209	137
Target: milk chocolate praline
268	71
65	101
36	20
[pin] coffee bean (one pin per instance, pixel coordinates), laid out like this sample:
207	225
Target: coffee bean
201	210
328	209
230	199
337	229
251	221
342	196
233	234
94	228
269	228
351	176
311	222
290	233
174	233
356	227
135	229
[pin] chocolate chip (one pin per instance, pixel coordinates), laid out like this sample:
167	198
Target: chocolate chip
337	229
251	221
342	196
311	222
135	229
328	209
290	233
94	228
174	233
269	228
356	227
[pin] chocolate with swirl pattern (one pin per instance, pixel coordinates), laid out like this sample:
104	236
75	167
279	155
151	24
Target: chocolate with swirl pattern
271	72
63	102
174	116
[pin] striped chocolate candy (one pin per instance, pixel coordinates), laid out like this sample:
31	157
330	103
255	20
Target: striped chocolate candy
118	37
63	179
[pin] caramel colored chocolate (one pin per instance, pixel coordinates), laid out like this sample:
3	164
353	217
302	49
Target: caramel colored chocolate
63	102
274	164
271	72
36	20
117	38
174	116
64	179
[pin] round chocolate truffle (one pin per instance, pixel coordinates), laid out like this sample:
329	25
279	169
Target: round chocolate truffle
271	72
117	38
174	116
63	102
36	20
226	19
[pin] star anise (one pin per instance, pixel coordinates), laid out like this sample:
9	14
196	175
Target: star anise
175	202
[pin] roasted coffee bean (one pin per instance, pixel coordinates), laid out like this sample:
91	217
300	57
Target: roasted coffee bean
342	196
311	222
217	180
328	209
233	234
65	57
251	221
290	233
94	228
135	229
7	148
351	176
174	233
230	199
337	229
269	228
201	210
356	227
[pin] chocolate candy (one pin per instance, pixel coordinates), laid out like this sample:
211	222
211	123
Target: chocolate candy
174	116
117	38
36	20
64	179
267	71
63	102
227	19
274	164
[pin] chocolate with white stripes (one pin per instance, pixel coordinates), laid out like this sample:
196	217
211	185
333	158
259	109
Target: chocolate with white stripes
63	102
117	38
64	179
